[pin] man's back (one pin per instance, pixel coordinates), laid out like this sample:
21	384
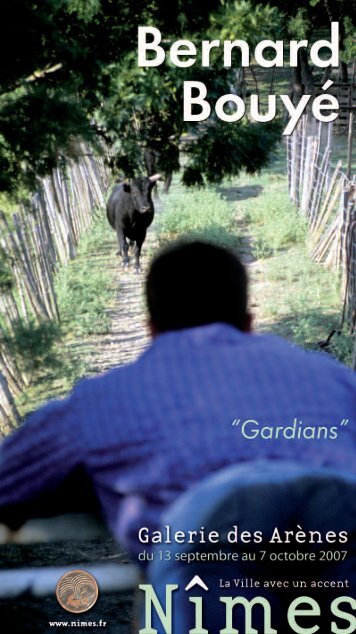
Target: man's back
198	400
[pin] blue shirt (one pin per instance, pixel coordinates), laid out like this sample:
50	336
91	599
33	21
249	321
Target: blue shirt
196	401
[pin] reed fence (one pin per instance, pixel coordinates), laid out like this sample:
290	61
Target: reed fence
35	242
326	196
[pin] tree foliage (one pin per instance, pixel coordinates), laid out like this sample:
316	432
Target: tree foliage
69	72
223	151
56	56
145	110
309	18
240	19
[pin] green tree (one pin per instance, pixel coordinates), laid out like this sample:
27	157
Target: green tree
242	19
55	73
145	110
343	12
310	19
70	73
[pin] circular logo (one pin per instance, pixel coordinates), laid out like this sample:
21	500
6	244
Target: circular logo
77	591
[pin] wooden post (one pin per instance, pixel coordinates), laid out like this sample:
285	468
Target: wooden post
309	174
349	144
8	407
44	235
328	196
319	186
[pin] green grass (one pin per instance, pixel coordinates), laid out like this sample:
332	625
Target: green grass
292	295
276	224
86	290
296	297
32	345
9	203
312	302
197	214
85	287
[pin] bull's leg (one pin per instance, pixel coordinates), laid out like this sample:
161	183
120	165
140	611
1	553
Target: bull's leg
123	246
137	251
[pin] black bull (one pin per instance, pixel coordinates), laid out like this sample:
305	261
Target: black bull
130	212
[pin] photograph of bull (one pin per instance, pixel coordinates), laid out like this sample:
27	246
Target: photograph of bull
130	212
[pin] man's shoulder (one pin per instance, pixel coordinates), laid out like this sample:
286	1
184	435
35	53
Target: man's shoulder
104	384
308	360
260	349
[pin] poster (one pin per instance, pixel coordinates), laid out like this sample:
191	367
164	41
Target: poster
110	90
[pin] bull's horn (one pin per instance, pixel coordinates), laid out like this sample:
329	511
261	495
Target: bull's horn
154	178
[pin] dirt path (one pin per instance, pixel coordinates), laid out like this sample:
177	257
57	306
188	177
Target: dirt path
129	336
255	267
257	280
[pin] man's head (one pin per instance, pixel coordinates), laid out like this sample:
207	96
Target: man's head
192	284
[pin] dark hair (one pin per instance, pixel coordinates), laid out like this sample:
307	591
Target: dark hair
195	283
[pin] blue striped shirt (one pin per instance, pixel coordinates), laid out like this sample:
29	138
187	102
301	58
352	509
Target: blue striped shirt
196	401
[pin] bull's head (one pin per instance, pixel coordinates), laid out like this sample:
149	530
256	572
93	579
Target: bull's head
140	189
